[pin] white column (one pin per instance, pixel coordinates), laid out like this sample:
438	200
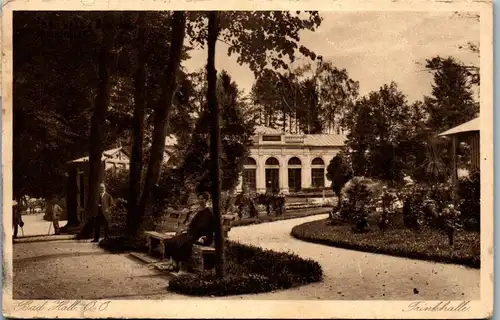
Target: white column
326	160
260	175
306	172
283	175
239	186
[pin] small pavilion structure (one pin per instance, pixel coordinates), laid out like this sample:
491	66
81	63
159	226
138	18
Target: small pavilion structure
467	132
77	185
78	175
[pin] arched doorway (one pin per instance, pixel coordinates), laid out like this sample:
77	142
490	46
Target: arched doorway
272	175
249	175
318	173
294	174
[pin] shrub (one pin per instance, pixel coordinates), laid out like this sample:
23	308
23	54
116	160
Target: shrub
388	204
250	269
441	194
414	197
357	201
117	184
117	218
469	189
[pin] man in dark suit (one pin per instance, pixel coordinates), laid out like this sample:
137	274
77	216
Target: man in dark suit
104	205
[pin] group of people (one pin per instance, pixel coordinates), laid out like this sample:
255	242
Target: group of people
20	207
199	226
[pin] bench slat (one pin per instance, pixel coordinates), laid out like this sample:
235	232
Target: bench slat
159	235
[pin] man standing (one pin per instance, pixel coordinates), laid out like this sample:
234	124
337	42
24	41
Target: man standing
56	214
17	220
104	205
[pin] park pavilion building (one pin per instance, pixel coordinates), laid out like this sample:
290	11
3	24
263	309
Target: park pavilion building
278	162
285	163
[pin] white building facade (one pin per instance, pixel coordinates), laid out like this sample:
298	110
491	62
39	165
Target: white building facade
287	163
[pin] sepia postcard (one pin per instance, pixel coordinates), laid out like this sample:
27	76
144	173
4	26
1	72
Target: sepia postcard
253	159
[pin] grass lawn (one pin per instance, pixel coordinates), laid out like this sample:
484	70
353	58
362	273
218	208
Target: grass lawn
427	244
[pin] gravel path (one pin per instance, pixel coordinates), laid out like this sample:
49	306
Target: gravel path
354	275
72	269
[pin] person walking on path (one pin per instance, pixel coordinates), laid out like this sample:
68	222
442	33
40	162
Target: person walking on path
17	219
56	214
104	205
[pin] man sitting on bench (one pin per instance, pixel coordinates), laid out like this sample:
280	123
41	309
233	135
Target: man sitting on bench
200	230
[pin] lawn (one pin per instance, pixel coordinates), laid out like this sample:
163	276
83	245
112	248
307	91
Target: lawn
427	244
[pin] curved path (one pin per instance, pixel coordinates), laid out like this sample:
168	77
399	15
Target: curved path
72	269
354	275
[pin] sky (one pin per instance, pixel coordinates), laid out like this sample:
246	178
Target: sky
374	47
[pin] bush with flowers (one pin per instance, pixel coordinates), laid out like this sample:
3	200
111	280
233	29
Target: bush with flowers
469	191
413	197
389	206
357	201
450	221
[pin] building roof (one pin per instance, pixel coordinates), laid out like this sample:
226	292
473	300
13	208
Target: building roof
316	140
473	125
266	130
105	155
325	140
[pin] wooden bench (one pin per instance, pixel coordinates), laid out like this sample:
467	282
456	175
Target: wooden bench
166	229
203	257
174	223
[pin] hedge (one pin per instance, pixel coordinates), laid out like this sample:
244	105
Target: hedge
250	269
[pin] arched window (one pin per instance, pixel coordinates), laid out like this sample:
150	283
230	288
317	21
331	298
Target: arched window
294	161
272	162
272	175
318	173
294	174
249	161
318	161
249	174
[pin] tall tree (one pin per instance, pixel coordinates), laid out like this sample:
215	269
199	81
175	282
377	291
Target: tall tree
378	125
273	91
213	107
339	173
272	32
137	152
317	96
337	93
162	112
96	170
309	112
452	100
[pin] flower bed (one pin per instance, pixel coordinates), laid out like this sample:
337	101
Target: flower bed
427	244
249	269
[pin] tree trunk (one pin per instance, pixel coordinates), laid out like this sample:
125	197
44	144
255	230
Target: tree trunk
96	170
163	110
213	107
284	119
71	199
136	159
